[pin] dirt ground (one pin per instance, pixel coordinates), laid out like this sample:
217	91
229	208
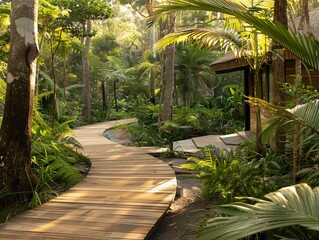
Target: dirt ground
186	214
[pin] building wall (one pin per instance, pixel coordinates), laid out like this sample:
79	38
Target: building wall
310	77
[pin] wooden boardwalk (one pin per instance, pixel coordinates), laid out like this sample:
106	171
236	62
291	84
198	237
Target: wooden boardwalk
124	195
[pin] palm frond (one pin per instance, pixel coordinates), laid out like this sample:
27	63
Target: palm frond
225	38
304	47
47	79
293	205
307	114
74	86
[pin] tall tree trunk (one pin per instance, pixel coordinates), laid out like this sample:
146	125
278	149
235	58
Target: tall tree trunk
278	69
115	96
169	64
296	143
54	102
54	105
15	135
36	91
152	87
86	77
160	110
149	7
105	96
258	94
162	63
65	78
303	24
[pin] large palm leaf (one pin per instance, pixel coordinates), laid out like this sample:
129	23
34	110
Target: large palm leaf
147	65
307	114
114	69
293	205
218	37
304	47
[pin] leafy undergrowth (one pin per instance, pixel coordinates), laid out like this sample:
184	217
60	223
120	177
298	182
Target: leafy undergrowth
55	161
220	115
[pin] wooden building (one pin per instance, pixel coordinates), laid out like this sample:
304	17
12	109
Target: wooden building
310	77
229	63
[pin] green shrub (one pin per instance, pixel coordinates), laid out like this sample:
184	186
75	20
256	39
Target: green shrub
54	159
221	115
228	174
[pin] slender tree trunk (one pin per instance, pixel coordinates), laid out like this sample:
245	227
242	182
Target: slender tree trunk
296	144
149	7
15	134
257	73
152	88
65	78
278	69
115	96
86	77
54	108
162	63
169	64
304	24
259	143
54	103
104	96
160	110
38	66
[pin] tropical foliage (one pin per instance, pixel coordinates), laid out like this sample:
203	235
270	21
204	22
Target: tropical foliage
220	115
227	174
127	78
290	206
55	161
298	43
255	221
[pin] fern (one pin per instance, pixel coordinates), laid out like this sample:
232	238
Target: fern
54	154
226	175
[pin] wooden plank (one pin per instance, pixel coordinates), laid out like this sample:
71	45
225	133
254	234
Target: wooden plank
109	235
123	196
76	228
96	220
111	215
51	206
116	201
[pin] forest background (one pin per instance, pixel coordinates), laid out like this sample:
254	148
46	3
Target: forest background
97	62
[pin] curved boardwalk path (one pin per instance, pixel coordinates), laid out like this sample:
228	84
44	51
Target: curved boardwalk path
124	195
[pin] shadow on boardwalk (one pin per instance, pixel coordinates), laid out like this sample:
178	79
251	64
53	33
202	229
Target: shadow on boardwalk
124	195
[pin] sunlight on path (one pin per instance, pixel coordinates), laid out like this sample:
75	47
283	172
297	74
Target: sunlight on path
124	195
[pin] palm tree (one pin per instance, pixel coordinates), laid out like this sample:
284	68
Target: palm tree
150	67
303	46
114	71
61	93
306	115
250	43
169	72
193	73
295	205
